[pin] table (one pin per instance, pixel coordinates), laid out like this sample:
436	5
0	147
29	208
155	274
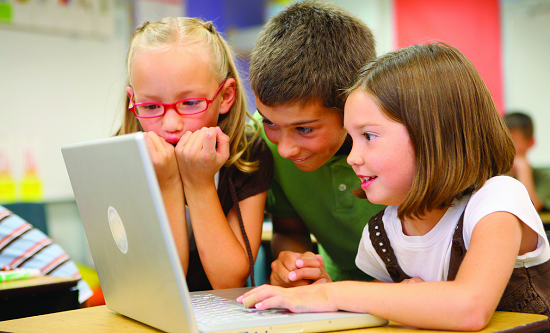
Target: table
37	296
100	319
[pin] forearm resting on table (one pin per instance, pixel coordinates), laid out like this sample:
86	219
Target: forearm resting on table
429	305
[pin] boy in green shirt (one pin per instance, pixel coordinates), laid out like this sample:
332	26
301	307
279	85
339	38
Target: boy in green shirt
302	60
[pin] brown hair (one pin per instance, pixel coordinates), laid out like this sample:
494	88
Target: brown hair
459	139
189	32
309	51
521	122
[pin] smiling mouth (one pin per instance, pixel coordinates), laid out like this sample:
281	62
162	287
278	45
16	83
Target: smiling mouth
366	181
300	159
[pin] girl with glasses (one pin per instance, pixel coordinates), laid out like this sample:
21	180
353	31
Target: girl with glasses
213	169
463	239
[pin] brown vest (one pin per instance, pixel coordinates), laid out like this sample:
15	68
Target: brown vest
528	290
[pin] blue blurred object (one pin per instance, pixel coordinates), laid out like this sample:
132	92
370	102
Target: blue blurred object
262	267
32	212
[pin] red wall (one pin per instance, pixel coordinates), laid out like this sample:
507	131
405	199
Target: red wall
473	26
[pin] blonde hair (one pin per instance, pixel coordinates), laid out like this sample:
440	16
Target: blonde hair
188	32
459	139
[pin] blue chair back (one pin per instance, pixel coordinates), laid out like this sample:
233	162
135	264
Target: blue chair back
32	212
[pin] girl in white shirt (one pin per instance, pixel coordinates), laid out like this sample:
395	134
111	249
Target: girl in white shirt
465	241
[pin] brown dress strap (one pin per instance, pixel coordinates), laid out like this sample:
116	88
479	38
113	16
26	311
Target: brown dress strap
458	250
381	244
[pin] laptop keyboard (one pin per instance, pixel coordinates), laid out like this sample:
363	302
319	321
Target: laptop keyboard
211	309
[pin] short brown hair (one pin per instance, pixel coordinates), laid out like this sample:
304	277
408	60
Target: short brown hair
521	122
459	139
311	50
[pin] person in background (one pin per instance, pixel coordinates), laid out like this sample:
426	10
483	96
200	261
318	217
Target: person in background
303	58
213	169
461	235
536	180
23	246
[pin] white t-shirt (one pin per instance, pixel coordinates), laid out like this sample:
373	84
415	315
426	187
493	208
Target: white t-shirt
428	256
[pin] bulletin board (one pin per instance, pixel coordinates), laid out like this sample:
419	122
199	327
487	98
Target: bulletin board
63	79
84	18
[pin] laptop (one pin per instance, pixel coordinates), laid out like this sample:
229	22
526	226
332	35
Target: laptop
127	228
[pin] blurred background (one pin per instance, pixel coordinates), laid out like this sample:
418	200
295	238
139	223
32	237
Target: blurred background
62	72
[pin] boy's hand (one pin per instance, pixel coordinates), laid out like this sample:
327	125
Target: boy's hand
293	269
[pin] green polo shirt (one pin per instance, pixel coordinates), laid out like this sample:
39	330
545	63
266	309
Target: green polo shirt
541	177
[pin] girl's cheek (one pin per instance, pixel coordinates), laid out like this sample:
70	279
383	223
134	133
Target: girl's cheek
150	126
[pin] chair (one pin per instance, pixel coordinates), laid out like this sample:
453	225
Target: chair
32	212
35	214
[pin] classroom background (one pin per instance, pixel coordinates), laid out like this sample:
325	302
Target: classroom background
62	71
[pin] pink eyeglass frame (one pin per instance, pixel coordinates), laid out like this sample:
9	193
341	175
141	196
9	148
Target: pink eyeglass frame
132	106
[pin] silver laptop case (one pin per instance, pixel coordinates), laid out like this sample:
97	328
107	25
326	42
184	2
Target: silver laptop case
123	214
121	207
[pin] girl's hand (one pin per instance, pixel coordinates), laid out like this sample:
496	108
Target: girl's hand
311	298
163	158
201	154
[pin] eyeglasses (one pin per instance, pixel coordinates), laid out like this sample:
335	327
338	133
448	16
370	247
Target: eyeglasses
184	107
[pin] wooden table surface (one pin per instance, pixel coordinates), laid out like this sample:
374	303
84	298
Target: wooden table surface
100	319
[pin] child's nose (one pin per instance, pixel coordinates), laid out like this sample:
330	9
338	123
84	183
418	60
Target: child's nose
172	121
287	147
353	158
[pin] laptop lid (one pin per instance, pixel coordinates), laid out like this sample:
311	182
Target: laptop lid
123	214
130	239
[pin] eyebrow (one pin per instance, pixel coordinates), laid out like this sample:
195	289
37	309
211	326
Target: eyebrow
300	123
365	124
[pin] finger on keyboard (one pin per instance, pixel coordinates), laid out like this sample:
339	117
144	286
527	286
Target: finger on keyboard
250	301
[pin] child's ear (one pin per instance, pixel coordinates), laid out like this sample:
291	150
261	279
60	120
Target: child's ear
228	95
531	142
129	91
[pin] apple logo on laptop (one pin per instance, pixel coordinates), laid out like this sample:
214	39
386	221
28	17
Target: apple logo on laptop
117	229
